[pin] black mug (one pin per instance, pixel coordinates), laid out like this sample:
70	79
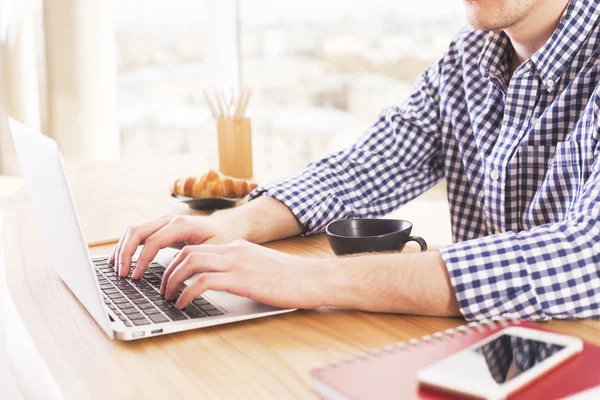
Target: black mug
360	235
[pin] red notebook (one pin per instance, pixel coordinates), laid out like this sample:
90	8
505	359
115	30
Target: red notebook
391	373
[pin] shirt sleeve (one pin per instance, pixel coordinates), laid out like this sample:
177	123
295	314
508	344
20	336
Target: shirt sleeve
550	271
395	160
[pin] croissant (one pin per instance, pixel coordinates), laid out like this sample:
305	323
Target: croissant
212	184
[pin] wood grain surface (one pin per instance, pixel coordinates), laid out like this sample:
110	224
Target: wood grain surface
263	358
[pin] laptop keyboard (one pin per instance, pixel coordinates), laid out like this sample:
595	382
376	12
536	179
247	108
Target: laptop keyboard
139	302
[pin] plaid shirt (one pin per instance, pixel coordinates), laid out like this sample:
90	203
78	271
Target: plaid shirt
520	157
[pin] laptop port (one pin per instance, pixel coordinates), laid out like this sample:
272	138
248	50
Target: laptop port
138	334
154	332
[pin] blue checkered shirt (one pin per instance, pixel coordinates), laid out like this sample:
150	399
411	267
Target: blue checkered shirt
520	156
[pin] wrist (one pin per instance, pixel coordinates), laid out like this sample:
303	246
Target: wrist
342	278
233	222
261	220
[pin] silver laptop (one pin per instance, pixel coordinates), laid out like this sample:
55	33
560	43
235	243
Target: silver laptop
124	308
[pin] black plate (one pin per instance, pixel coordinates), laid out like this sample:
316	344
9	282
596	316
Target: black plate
208	203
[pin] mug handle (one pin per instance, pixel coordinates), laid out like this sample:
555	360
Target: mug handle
419	240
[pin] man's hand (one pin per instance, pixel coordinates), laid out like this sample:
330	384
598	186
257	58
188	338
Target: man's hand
248	270
162	233
259	221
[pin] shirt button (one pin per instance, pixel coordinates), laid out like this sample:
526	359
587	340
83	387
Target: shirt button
495	175
550	84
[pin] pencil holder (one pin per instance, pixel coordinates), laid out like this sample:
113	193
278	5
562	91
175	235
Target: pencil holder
235	147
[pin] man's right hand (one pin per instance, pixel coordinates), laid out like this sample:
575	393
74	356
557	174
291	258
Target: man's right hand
176	231
258	221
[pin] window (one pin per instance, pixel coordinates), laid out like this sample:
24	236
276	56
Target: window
321	71
161	73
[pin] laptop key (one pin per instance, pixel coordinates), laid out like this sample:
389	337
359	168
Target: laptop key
138	299
141	322
193	312
145	305
120	300
200	302
150	311
112	290
175	315
124	306
134	316
115	295
127	323
157	318
213	313
130	311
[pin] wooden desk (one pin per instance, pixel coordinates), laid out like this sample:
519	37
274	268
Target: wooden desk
264	358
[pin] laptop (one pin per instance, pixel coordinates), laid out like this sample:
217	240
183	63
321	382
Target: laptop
125	309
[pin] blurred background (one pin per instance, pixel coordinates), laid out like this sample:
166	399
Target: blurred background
112	80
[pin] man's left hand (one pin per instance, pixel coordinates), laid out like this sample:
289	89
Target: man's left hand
248	270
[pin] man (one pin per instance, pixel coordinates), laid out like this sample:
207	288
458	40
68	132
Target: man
509	117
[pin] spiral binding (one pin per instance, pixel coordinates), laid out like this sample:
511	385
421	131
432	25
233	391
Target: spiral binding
462	330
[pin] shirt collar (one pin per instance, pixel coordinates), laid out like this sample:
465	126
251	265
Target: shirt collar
555	55
496	55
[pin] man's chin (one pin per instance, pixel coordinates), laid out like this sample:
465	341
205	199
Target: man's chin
483	24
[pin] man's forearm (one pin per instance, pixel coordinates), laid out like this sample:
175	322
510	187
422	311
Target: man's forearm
261	220
408	283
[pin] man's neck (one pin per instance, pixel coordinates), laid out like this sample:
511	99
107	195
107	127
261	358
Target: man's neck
530	33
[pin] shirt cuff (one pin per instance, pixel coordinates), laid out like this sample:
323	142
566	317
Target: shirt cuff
313	207
491	278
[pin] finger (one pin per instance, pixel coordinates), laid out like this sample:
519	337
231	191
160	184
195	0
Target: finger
134	237
192	264
115	251
174	231
181	255
206	281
